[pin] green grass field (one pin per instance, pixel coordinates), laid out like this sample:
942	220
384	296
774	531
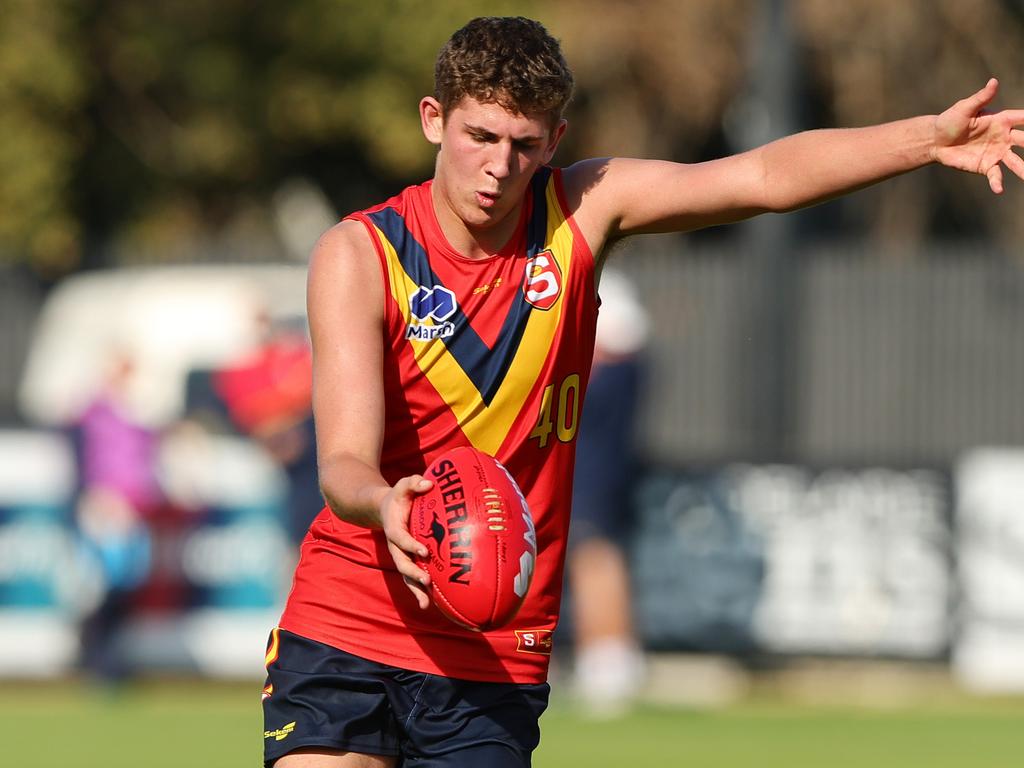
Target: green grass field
202	724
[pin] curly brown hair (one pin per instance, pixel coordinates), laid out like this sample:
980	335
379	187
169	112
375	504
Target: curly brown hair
507	60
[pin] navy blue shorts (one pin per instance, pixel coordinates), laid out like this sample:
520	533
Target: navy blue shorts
319	696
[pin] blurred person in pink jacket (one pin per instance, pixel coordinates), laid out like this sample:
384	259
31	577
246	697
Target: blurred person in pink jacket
118	489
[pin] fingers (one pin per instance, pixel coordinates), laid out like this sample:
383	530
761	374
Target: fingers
395	515
406	565
995	179
419	484
419	592
1017	137
411	486
416	579
402	545
1014	163
419	585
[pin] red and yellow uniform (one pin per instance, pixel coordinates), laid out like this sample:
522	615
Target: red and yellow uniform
493	353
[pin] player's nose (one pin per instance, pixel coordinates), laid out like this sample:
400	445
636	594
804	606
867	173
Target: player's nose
499	163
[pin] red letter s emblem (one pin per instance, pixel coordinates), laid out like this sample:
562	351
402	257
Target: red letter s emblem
542	283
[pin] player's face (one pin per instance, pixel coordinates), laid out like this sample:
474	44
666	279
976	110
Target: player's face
487	157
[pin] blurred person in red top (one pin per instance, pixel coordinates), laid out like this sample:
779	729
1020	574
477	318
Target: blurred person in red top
268	396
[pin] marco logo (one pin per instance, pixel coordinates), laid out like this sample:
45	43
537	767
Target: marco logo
430	309
437	303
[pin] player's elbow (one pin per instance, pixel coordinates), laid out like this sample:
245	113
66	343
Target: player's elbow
767	189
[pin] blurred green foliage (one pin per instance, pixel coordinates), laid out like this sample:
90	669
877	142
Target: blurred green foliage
147	123
44	83
129	128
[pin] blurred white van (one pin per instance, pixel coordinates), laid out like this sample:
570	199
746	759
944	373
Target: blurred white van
168	319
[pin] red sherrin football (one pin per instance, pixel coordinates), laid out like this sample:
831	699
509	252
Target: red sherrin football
480	534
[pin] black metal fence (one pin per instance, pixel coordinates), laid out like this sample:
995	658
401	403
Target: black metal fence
898	361
847	357
19	305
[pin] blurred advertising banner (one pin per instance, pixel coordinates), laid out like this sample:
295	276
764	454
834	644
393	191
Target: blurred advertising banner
792	560
989	652
221	559
140	530
38	631
196	588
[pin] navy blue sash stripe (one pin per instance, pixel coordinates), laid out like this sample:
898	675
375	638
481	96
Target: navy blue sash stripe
514	327
465	345
537	228
484	366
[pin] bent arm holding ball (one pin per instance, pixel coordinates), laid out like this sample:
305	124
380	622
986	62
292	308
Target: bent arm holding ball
345	300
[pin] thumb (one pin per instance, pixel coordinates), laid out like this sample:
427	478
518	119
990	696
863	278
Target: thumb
397	510
978	101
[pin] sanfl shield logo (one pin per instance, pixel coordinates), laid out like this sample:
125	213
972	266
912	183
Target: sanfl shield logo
542	283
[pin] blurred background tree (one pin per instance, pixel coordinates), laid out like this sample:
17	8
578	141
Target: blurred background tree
189	129
43	89
654	78
205	109
873	60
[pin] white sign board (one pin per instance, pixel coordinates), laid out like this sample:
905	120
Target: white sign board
989	651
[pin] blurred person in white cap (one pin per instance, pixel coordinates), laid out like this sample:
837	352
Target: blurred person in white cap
609	667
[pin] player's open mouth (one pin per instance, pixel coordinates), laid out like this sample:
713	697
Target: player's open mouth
487	199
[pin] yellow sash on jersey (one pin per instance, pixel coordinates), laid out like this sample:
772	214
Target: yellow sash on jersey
456	379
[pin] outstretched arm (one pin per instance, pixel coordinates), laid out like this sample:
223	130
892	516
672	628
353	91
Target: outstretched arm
618	197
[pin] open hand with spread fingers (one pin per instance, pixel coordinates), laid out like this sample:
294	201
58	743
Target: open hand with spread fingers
970	138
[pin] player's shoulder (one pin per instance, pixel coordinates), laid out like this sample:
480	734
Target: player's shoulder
596	176
354	247
348	235
589	189
345	254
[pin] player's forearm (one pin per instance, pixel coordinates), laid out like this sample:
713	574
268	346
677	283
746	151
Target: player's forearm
815	166
353	489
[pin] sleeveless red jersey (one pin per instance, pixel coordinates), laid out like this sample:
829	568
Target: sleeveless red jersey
493	353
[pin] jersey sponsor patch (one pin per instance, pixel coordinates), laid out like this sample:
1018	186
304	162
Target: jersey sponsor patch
429	310
534	641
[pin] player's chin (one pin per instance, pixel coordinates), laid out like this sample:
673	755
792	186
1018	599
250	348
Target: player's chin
489	214
480	218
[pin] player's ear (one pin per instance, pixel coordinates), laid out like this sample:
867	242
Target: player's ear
556	136
432	119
